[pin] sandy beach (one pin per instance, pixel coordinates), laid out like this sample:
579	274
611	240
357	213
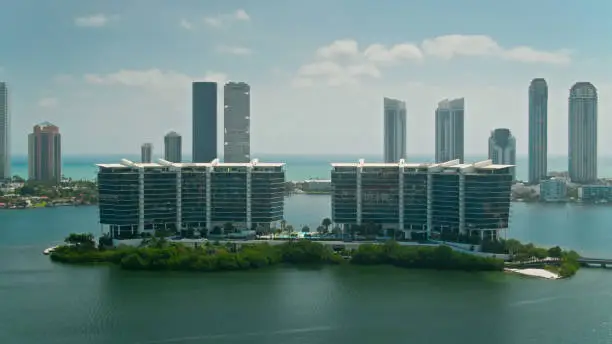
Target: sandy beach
541	273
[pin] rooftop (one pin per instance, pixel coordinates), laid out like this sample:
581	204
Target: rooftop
453	164
163	163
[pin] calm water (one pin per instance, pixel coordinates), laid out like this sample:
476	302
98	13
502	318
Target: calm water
42	302
298	167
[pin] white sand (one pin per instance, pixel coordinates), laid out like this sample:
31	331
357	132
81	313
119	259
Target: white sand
542	273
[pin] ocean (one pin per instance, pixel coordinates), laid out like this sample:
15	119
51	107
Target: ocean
299	167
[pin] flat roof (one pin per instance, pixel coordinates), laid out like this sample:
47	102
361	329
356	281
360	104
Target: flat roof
215	163
454	164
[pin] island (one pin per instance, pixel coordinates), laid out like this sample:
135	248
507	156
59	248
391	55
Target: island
19	193
159	253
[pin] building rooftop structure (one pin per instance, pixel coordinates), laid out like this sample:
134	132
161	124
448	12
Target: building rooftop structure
163	163
453	164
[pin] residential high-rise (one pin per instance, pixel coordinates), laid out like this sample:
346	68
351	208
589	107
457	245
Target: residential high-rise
146	153
136	198
173	147
538	130
450	130
45	153
502	148
204	121
237	122
395	130
5	129
420	200
582	141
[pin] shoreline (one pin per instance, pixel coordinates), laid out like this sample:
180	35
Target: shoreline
537	273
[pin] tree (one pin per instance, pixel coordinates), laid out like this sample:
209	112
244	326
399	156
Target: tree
326	223
289	228
18	179
228	227
306	229
83	239
555	252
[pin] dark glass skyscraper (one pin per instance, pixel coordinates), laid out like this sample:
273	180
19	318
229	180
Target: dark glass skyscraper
204	121
538	127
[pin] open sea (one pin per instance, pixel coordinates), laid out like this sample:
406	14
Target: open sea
299	167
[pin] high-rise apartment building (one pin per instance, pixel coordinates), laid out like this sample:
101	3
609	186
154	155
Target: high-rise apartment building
582	143
502	148
204	121
420	200
450	130
237	122
45	153
395	130
538	130
173	147
146	153
5	128
136	198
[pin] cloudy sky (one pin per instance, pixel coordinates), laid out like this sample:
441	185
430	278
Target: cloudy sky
113	74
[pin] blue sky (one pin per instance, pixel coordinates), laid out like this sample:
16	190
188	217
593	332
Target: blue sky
114	74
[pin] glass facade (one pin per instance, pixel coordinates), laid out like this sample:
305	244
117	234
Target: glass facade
380	195
193	197
344	195
135	197
229	194
160	189
415	199
435	198
445	202
118	190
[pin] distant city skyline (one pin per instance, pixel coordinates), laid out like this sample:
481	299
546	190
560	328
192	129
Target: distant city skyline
45	153
315	75
450	130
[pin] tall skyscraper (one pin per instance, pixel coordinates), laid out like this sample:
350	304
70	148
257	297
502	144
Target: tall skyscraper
173	147
146	153
450	130
395	130
45	153
237	121
204	121
5	128
538	130
502	148
582	141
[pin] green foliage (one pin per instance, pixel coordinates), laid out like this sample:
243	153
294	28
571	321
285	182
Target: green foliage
159	255
84	239
326	223
555	252
440	257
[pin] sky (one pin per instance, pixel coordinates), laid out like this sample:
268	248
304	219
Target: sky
113	74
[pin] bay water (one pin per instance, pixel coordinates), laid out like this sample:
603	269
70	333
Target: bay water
45	302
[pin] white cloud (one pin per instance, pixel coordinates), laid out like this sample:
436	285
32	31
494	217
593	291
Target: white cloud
48	102
95	20
186	24
152	79
344	60
242	15
227	19
235	50
450	46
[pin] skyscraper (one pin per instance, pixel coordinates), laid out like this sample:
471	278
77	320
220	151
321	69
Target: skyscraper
582	140
45	153
173	147
204	121
450	130
538	130
237	121
5	127
146	153
502	148
395	130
